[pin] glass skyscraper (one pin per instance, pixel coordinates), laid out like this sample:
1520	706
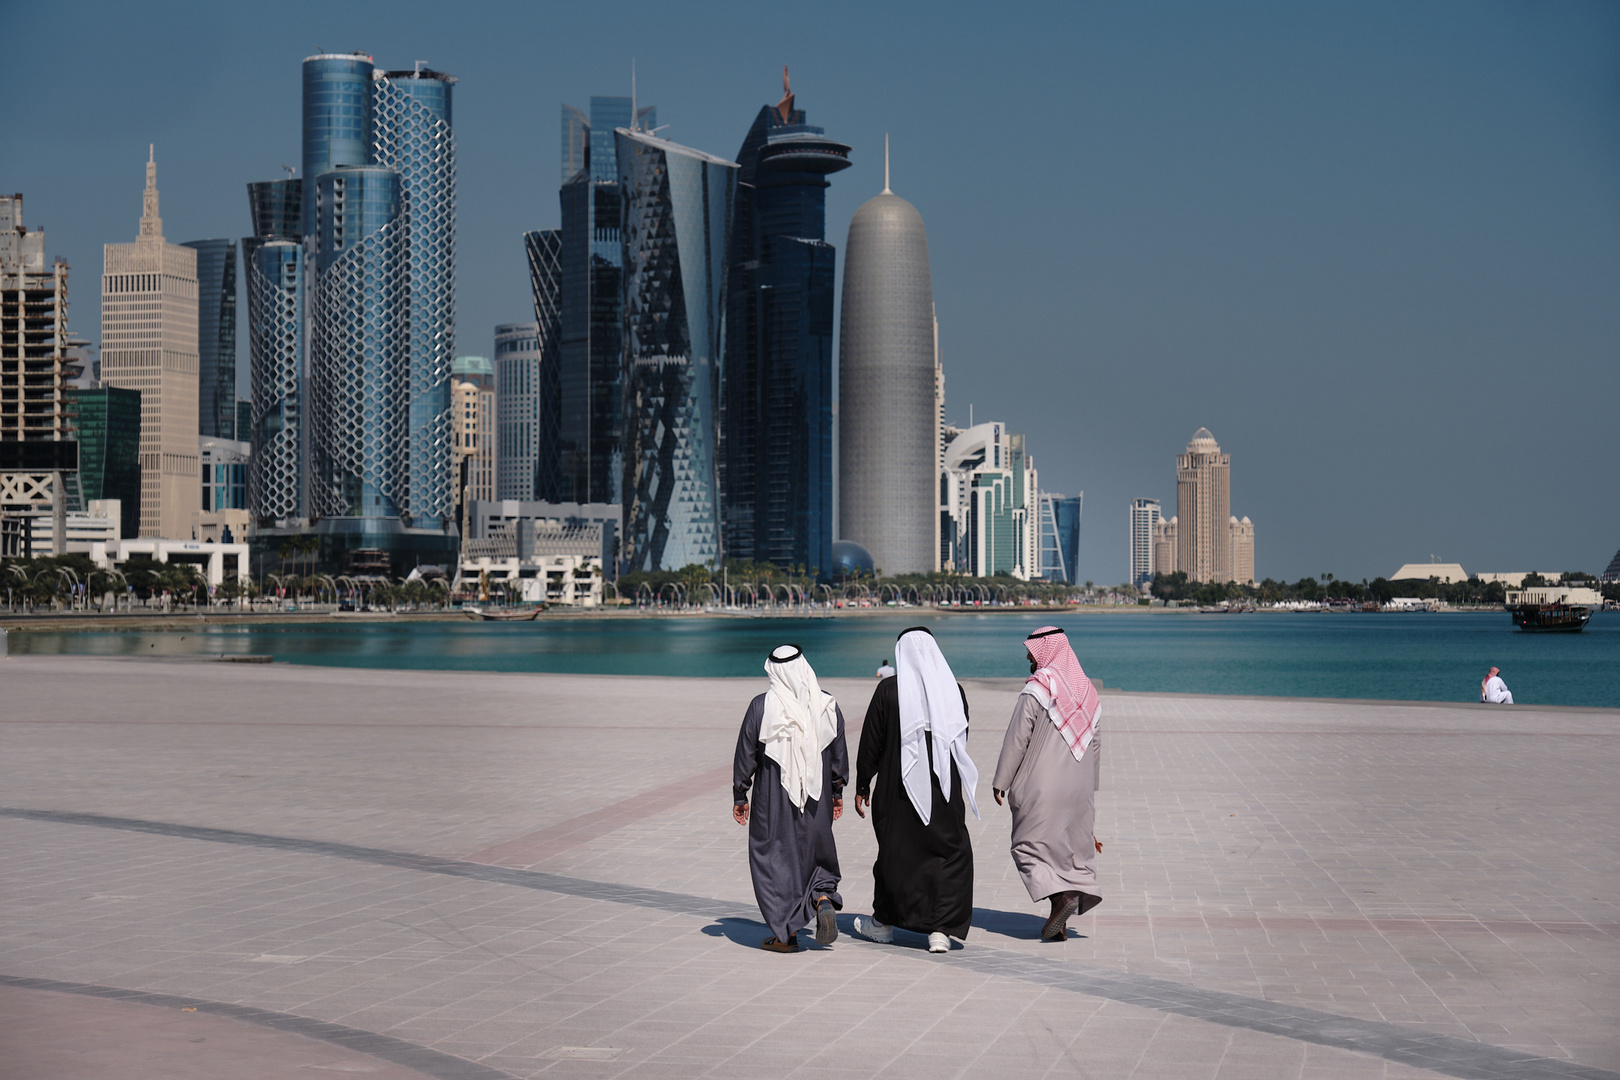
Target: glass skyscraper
677	214
107	425
590	390
359	376
1060	536
412	134
544	250
273	270
379	269
216	337
777	458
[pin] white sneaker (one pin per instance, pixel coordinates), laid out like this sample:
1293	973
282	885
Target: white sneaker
872	930
937	942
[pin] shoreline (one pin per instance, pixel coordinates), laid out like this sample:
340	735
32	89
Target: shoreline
88	622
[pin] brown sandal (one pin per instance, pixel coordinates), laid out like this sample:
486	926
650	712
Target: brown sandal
1063	908
772	945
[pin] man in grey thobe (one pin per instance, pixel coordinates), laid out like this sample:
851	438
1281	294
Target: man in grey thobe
1049	772
791	752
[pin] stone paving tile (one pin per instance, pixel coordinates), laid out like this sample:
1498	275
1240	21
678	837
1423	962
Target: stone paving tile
1211	809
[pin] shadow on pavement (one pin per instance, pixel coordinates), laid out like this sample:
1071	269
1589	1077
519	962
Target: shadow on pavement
1023	925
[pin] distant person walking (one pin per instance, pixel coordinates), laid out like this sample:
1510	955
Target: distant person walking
791	752
884	671
1048	772
914	753
1493	690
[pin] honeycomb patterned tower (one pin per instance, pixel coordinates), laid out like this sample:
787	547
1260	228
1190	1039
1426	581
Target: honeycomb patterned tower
274	348
359	392
412	135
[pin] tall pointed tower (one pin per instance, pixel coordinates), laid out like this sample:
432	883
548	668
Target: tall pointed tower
149	344
888	424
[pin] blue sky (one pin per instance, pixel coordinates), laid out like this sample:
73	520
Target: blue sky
1374	247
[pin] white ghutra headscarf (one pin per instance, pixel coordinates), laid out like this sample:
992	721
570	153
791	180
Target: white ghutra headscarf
801	720
930	701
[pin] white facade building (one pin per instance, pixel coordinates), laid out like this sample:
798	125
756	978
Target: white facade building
1144	516
989	513
517	409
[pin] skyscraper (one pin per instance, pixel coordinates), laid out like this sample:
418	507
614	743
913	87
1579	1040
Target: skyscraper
38	458
590	390
1060	536
1242	545
544	249
379	281
991	513
677	210
216	337
1203	502
358	380
273	270
412	134
107	423
472	393
517	414
887	495
777	454
149	343
1144	516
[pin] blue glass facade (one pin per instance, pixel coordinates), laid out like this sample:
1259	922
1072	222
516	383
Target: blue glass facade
777	460
337	118
589	391
216	337
359	390
1060	537
677	215
412	134
273	274
274	271
544	250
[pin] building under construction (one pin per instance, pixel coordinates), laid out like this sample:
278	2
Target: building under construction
38	457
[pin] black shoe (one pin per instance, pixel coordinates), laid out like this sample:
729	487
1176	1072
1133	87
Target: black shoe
826	922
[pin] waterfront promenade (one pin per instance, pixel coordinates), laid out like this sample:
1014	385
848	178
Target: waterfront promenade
271	871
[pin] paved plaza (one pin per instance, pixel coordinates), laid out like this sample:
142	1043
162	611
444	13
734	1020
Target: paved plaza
225	870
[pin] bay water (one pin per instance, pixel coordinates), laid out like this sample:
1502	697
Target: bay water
1411	657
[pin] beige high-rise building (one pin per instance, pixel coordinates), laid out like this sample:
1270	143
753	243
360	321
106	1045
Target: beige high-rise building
1164	545
1242	545
1203	505
472	426
149	343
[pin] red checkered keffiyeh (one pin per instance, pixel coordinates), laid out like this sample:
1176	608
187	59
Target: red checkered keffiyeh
1061	685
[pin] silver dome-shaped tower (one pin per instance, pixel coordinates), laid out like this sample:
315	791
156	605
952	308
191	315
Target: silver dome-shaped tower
888	431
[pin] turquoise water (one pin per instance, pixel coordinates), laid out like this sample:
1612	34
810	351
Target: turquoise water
1415	657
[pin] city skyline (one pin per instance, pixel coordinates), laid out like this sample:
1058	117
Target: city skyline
1402	235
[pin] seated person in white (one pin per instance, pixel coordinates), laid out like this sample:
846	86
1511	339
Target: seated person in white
1493	690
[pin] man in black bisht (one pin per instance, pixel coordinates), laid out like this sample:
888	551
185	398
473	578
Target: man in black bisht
791	751
914	746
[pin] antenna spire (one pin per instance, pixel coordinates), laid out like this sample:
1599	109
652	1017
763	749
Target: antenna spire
634	118
886	190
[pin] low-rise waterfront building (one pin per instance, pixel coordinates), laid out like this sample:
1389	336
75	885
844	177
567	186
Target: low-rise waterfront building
537	560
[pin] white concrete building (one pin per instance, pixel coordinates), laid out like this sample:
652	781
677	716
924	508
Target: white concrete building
1144	519
551	562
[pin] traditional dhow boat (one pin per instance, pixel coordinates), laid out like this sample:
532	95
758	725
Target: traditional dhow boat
1550	618
1553	609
